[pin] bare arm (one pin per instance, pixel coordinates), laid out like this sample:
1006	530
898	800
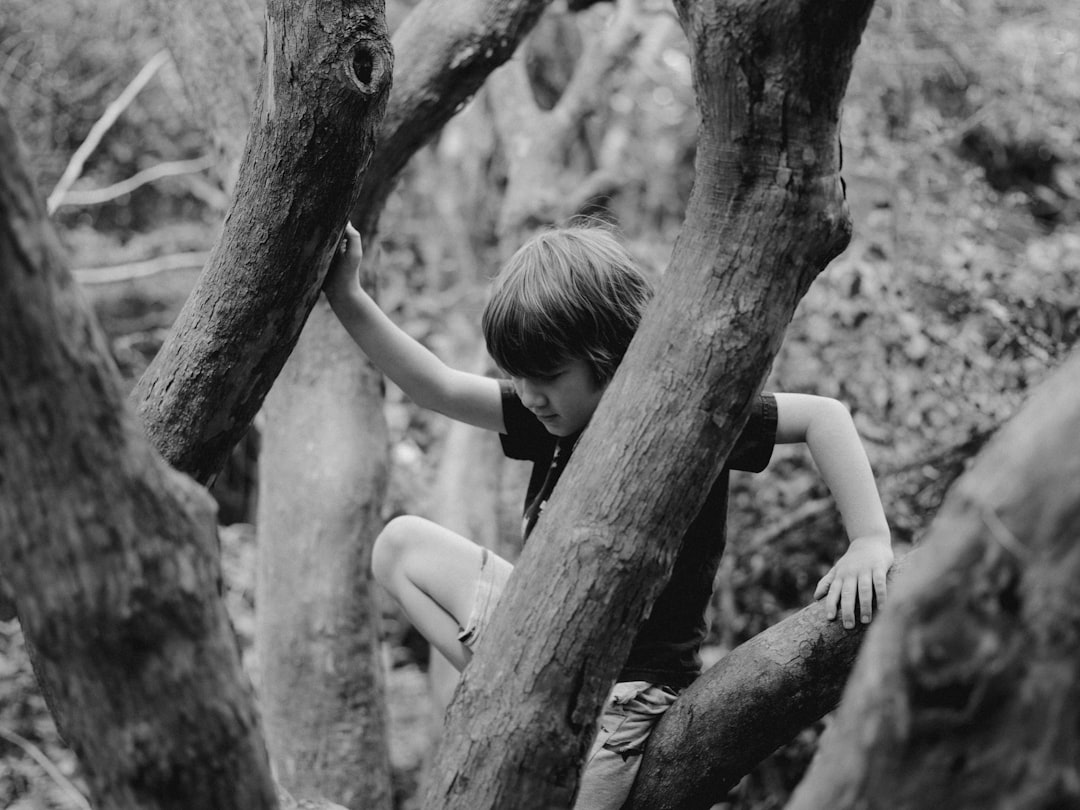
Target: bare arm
829	432
424	378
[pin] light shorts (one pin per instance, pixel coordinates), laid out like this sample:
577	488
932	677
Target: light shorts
494	572
630	713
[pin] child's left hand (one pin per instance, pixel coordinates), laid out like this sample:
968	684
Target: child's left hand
859	575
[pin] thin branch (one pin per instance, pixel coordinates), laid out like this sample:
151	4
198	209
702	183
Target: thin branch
46	764
101	126
133	270
99	196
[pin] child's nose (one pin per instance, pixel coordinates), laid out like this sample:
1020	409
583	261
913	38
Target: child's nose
531	395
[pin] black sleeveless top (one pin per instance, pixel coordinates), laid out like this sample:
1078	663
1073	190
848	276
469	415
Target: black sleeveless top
665	650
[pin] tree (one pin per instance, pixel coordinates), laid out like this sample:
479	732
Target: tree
808	174
965	693
320	675
765	217
756	698
312	131
322	476
112	556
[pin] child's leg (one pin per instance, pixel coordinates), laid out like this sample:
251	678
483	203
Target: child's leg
629	717
432	572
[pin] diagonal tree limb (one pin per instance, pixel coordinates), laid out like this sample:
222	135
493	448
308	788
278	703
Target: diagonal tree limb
756	698
965	692
243	318
327	77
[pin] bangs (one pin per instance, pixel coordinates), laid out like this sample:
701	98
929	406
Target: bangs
525	337
565	295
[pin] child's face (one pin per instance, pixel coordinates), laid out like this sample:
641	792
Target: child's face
563	401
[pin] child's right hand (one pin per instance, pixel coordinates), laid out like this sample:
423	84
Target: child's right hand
342	275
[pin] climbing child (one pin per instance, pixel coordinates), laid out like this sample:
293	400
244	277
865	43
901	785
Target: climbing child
560	317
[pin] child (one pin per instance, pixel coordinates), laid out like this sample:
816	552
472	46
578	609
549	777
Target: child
560	317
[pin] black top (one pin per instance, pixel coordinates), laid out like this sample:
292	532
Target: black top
665	650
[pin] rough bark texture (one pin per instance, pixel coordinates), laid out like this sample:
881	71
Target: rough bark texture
320	495
758	697
112	556
326	77
323	472
966	692
767	213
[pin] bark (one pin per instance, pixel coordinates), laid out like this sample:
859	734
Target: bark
326	77
112	556
965	694
321	492
766	215
324	470
757	698
211	376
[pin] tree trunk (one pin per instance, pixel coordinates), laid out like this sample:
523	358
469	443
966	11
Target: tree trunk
112	556
758	697
767	213
322	482
326	78
324	472
965	694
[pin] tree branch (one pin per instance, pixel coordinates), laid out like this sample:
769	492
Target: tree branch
756	698
112	112
964	694
98	196
312	131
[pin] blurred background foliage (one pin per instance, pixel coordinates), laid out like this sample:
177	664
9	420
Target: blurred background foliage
959	291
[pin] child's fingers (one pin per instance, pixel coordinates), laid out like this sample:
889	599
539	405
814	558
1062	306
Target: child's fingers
833	598
847	602
880	586
824	583
351	242
866	597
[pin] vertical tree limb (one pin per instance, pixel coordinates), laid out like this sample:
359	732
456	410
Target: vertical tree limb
766	215
112	555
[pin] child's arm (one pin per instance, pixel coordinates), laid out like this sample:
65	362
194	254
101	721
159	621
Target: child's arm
424	378
828	430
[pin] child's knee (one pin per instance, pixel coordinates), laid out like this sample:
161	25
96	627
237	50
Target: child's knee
391	546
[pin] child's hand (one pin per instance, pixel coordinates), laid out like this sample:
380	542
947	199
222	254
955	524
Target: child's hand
858	575
343	267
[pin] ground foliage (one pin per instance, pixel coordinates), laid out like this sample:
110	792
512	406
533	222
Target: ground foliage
960	290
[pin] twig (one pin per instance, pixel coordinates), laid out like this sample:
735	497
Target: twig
101	126
133	270
46	764
173	168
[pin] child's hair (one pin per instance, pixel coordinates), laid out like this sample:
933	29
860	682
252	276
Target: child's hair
566	294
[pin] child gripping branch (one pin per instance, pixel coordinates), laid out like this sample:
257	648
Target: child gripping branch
560	317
